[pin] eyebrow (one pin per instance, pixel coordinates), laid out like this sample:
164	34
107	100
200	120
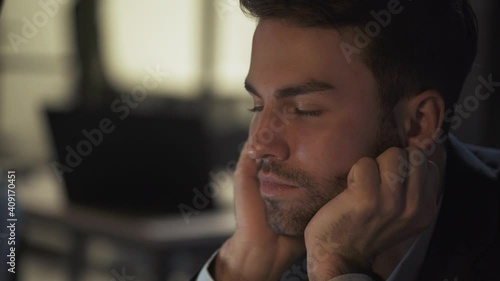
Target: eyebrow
294	90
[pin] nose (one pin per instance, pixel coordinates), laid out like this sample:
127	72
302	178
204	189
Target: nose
267	136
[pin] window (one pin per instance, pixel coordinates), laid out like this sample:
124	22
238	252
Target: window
168	34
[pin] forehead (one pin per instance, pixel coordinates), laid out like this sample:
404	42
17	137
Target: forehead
283	52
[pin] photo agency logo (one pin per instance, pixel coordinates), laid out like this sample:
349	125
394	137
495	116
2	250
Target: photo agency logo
363	37
201	199
121	107
222	179
31	26
318	254
455	117
471	103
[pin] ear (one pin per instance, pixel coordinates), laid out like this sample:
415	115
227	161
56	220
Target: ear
424	114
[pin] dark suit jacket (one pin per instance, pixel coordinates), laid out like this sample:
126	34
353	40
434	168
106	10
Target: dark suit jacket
465	245
466	241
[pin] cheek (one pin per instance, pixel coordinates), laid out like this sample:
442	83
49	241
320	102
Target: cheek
334	149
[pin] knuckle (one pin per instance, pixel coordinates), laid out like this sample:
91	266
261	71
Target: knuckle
417	157
392	210
365	167
392	152
365	162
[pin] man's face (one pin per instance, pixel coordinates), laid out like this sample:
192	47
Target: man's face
316	115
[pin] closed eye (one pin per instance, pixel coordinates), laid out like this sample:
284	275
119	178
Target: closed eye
257	108
298	112
307	113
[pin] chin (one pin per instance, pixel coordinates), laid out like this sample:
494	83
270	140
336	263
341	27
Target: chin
288	220
287	231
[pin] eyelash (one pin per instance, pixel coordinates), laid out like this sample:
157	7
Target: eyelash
256	109
306	113
297	111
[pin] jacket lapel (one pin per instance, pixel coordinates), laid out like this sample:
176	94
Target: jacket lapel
467	221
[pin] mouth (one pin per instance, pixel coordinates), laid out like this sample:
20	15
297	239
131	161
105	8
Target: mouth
271	186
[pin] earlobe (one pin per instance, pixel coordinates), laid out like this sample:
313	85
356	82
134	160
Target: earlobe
424	116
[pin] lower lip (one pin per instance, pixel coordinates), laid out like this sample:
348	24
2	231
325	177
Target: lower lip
270	189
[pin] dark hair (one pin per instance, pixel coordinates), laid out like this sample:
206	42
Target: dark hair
429	44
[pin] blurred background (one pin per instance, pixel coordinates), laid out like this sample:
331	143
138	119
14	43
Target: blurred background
123	121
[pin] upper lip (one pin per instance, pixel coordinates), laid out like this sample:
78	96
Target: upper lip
270	179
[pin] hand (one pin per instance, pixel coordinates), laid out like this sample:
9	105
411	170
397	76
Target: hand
386	202
254	252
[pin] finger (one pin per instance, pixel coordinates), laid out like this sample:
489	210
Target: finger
245	178
246	165
364	180
420	189
393	165
249	206
393	173
417	163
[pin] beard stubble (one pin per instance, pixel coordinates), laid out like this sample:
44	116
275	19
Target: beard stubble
290	218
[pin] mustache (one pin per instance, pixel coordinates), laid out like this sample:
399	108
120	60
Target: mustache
293	175
301	178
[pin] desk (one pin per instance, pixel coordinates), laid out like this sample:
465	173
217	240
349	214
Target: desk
43	202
